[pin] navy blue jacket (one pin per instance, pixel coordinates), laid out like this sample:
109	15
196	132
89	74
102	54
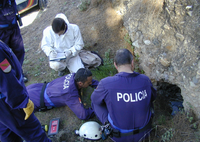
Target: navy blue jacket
125	100
61	92
13	98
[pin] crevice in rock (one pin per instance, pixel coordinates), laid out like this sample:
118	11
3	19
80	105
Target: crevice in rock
169	99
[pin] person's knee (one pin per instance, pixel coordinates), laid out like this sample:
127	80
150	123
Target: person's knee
56	66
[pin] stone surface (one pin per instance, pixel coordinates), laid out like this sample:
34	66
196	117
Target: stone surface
165	34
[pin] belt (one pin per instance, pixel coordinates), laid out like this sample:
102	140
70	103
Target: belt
117	133
48	99
7	25
122	132
43	95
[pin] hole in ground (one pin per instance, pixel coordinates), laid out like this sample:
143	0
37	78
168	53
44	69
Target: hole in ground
169	99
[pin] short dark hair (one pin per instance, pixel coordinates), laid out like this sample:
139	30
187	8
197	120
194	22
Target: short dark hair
122	57
82	74
58	25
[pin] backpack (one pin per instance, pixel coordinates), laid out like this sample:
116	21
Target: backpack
90	59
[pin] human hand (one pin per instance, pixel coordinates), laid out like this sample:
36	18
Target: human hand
53	54
67	53
29	109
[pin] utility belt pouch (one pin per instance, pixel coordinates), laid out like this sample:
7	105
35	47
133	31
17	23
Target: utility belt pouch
19	19
42	104
116	133
106	131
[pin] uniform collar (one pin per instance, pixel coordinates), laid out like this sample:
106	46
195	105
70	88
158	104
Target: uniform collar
125	74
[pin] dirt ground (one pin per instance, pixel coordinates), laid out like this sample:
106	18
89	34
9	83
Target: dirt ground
102	29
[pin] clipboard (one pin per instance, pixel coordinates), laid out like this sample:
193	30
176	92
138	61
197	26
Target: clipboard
60	56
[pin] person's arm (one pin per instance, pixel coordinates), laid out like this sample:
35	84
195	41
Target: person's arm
11	82
75	104
94	83
78	45
47	41
98	103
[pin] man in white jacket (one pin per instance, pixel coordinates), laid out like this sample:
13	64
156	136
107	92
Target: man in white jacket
63	39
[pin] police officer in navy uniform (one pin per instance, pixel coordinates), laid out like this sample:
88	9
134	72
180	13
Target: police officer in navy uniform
124	102
17	120
9	29
64	91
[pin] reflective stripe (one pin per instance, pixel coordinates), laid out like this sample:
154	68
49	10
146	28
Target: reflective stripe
121	130
47	97
7	25
21	79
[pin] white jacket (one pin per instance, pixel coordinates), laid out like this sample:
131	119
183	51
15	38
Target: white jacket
71	40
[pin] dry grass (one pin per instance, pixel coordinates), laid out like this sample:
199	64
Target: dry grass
179	128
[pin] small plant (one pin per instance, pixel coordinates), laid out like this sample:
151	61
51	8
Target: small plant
128	39
190	118
167	136
142	72
197	136
136	68
42	59
195	126
84	5
190	105
137	57
133	47
161	120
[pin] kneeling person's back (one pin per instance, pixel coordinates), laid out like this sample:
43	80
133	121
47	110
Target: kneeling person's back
125	100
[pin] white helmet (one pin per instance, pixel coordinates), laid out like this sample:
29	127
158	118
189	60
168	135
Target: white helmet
90	130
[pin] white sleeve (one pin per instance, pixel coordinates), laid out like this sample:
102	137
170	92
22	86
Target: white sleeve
78	45
47	41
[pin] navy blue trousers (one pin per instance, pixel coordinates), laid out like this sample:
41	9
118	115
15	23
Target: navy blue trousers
12	37
13	127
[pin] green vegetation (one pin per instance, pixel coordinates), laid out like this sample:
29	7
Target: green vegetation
161	120
167	136
128	39
84	5
106	70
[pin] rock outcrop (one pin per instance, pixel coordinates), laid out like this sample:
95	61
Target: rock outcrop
165	34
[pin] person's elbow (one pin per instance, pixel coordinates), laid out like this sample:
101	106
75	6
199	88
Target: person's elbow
85	115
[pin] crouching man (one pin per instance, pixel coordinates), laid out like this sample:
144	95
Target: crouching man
63	38
124	102
64	91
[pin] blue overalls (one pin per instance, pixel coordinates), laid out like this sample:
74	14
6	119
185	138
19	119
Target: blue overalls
9	29
13	99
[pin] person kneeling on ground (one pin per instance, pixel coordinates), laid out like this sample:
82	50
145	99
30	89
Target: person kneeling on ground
63	39
124	102
64	91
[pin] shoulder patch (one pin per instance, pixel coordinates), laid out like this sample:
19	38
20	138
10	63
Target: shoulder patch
5	66
80	100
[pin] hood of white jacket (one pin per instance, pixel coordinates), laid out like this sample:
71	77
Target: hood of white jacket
62	16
